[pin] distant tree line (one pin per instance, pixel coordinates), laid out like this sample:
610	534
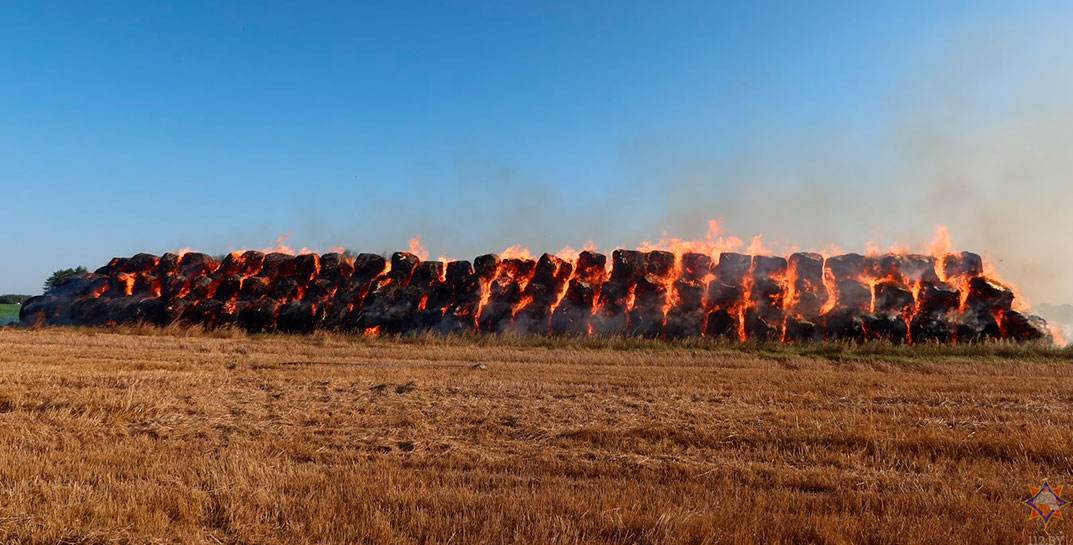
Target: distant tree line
12	299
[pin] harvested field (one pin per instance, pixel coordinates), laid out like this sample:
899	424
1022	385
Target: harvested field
170	436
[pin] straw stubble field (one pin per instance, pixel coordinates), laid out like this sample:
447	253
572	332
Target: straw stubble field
152	436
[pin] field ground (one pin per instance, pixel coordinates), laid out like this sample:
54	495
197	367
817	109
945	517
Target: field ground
9	314
146	436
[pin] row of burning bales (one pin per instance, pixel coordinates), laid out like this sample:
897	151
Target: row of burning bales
902	298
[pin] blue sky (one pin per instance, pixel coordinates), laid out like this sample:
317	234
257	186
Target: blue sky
146	126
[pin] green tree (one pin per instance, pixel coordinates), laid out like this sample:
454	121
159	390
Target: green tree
13	299
61	276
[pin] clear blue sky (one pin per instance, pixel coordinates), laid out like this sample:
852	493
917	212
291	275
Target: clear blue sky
149	126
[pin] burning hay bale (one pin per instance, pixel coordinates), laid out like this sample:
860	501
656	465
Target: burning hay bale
900	298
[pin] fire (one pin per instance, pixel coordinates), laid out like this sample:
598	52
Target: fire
671	288
418	248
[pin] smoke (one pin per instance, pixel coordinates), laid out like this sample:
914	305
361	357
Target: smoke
978	140
975	135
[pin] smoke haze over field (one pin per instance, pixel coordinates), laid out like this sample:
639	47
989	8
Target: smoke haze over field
850	127
976	137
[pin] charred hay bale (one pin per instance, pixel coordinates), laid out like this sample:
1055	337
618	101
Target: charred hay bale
1025	327
168	265
81	285
335	313
146	284
196	264
335	267
113	267
649	295
646	316
216	313
681	323
906	268
254	287
517	268
44	310
724	295
688	296
306	268
458	319
722	324
732	268
277	265
937	298
459	274
229	312
402	266
767	297
427	274
241	263
126	310
610	317
592	267
659	263
886	327
392	308
646	323
200	313
846	266
931	328
806	292
368	267
695	267
808	304
987	296
542	292
486	266
765	267
438	297
853	294
569	320
552	271
464	287
202	287
112	312
800	330
175	287
299	317
843	324
614	296
759	328
975	327
120	285
807	267
913	268
571	317
321	290
892	298
259	316
140	263
497	315
286	289
429	319
86	311
172	311
627	266
228	287
962	264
